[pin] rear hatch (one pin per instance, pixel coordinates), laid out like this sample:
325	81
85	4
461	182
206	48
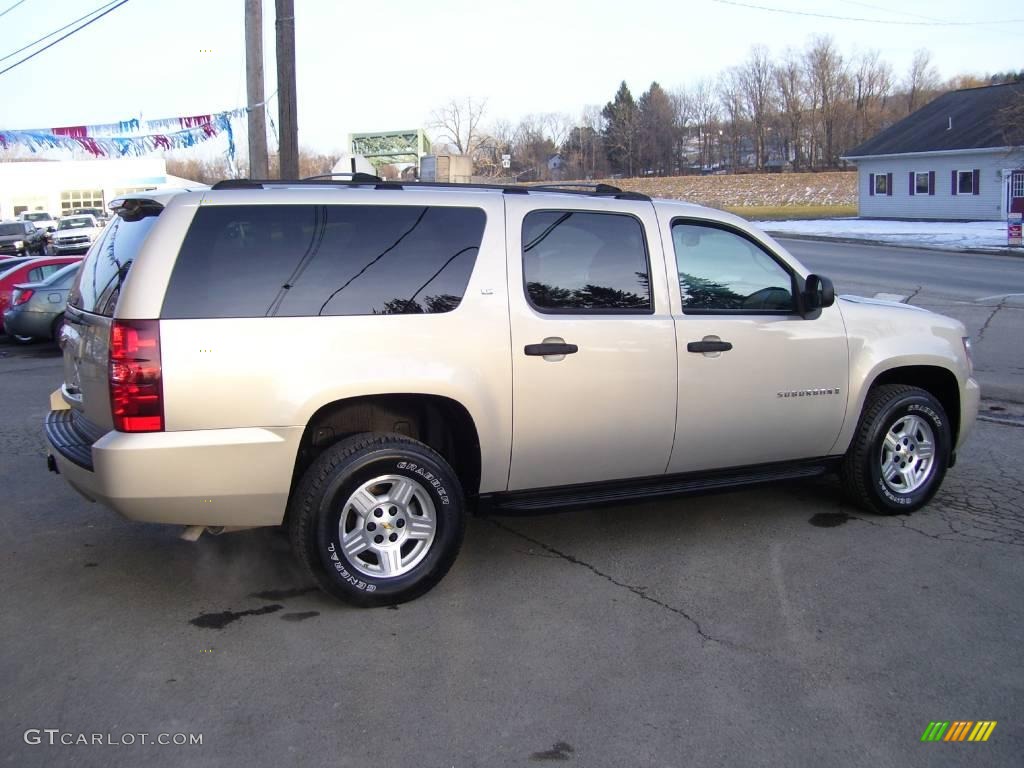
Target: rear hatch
89	315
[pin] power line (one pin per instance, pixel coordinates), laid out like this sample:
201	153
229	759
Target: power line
56	31
868	21
69	34
891	10
4	13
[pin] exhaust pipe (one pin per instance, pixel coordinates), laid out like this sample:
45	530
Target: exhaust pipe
193	532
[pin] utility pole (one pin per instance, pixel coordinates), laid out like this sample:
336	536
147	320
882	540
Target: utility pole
286	110
255	93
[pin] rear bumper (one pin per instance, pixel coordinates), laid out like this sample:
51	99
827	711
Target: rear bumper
219	477
38	325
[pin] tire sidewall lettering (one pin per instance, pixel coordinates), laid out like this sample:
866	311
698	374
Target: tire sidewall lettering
331	555
899	501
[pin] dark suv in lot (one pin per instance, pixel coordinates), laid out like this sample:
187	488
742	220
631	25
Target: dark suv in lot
20	238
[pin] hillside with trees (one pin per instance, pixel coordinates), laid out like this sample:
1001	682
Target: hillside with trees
798	111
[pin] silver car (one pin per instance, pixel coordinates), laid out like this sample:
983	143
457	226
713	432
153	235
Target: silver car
37	309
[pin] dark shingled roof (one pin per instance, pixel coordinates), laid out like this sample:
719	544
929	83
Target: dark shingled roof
975	124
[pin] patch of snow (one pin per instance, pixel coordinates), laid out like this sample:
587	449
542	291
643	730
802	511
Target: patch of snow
947	235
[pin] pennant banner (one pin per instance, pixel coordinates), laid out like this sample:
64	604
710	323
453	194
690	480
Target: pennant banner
109	140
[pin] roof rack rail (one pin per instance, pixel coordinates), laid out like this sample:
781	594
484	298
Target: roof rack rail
603	189
361	179
357	176
593	189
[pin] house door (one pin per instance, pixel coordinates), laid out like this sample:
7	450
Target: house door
1016	197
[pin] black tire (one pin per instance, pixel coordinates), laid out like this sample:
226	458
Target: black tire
861	471
323	494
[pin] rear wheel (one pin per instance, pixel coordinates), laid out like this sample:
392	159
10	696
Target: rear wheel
900	452
377	519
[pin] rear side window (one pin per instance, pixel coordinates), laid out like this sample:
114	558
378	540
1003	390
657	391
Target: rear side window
107	264
308	260
576	261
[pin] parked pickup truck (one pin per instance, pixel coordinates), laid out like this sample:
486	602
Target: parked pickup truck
367	362
41	219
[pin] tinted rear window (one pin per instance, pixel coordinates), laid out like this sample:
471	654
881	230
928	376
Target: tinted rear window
305	260
107	264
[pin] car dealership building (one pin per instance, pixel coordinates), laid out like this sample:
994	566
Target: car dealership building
58	186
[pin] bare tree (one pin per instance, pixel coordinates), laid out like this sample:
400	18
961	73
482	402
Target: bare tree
730	95
757	87
704	111
459	123
922	83
1010	121
829	81
556	126
872	84
791	85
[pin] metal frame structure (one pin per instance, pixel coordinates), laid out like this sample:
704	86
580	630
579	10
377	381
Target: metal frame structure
406	146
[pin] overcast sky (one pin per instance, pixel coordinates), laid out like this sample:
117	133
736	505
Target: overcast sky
385	65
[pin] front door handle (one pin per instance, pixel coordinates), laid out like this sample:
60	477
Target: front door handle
708	346
547	348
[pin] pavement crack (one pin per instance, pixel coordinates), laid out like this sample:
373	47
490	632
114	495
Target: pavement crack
639	591
911	296
984	327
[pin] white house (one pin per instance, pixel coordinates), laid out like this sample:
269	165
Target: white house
949	160
61	185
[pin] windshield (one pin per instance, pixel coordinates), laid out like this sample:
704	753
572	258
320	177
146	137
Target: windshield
75	223
41	216
12	229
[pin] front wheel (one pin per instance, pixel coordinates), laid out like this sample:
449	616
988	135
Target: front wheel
900	452
377	519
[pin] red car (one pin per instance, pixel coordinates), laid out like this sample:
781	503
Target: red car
30	271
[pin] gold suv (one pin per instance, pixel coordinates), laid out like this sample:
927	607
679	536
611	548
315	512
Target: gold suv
366	362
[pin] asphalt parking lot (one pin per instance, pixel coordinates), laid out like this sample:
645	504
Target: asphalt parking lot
766	627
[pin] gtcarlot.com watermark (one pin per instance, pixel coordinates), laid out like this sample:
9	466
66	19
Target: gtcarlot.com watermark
57	737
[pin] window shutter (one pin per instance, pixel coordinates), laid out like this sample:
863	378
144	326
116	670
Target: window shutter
953	190
888	184
871	184
977	181
912	180
931	182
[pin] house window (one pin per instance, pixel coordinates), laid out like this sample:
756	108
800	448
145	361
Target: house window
881	184
81	198
921	183
965	182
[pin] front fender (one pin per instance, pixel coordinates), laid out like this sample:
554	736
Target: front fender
884	338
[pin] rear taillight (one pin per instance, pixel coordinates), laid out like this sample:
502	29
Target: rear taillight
136	390
21	295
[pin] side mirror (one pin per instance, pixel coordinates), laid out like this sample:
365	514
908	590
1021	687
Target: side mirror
818	293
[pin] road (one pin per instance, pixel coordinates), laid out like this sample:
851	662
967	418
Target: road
907	270
776	626
985	292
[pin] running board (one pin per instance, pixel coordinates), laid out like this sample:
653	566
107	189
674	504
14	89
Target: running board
642	489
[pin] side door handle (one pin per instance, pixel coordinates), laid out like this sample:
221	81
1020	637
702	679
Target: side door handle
708	346
548	348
